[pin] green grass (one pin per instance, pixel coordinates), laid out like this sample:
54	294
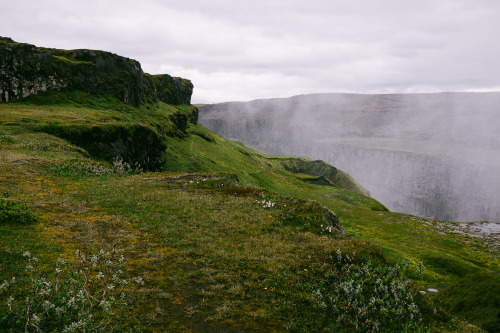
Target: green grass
214	254
71	61
476	297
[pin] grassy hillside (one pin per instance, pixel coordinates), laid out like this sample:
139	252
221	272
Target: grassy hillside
224	238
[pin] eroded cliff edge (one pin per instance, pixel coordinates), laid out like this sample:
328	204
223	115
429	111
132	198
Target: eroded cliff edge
432	155
26	70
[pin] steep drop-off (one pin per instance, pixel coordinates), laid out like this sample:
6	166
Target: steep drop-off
432	155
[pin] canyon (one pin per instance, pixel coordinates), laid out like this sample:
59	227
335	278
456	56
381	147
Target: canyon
432	155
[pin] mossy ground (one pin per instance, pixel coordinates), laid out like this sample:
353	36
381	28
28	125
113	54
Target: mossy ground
215	256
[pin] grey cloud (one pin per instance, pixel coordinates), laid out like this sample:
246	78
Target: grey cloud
257	48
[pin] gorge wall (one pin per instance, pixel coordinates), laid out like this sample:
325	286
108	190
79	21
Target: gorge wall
26	70
432	155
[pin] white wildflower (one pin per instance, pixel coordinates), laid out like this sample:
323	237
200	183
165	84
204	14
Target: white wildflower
35	319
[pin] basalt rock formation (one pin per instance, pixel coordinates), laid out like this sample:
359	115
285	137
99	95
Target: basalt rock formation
27	69
134	144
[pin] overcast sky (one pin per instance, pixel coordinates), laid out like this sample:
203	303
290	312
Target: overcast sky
243	50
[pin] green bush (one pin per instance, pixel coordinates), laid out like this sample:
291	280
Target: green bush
11	212
369	297
354	296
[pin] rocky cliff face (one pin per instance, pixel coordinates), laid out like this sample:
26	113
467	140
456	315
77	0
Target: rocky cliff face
433	155
26	69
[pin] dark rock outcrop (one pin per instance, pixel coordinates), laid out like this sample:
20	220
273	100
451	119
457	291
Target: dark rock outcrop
133	143
26	70
312	216
331	218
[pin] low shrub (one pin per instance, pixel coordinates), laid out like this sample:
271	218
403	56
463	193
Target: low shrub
11	212
81	297
353	296
89	168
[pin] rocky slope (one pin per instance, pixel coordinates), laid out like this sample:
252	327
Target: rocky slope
26	70
433	155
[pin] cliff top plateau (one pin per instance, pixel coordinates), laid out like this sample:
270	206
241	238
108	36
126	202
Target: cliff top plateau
27	69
